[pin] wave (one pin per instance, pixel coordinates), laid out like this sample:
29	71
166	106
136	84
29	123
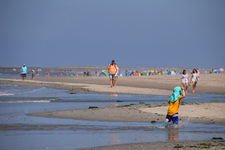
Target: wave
27	101
14	89
5	94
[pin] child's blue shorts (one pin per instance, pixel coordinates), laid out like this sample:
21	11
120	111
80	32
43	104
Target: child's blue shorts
174	118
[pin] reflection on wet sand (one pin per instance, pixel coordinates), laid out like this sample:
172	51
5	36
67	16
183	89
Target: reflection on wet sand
113	95
173	134
115	138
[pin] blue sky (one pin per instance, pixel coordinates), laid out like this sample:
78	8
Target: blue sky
147	33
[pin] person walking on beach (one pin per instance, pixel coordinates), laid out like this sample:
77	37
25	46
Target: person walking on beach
174	102
116	76
23	72
194	78
184	80
112	69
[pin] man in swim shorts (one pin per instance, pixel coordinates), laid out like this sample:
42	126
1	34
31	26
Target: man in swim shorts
23	72
112	69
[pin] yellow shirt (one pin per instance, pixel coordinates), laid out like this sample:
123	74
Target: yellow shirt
174	106
112	69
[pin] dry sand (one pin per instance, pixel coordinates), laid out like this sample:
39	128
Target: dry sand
147	85
201	110
210	83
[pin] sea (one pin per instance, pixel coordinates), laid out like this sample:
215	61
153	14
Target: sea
68	134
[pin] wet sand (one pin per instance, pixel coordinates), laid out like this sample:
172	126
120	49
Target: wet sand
188	145
207	113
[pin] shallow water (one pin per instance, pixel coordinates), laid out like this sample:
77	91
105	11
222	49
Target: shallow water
54	133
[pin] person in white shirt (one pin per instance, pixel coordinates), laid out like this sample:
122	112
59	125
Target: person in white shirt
194	79
184	80
116	76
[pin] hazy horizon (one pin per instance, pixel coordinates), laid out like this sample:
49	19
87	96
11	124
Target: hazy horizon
151	34
106	67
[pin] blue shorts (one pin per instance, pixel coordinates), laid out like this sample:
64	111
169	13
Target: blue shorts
174	118
111	76
23	75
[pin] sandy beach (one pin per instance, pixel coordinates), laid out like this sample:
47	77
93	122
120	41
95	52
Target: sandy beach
151	85
188	145
147	85
206	113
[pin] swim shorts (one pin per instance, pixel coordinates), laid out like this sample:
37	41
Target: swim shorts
23	75
111	76
174	118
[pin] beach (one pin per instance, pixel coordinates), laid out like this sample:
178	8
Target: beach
203	111
212	144
207	113
148	85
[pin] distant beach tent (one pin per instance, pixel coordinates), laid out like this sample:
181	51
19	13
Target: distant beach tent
173	73
169	73
122	73
165	72
221	69
138	74
14	69
178	73
152	71
103	74
145	74
129	72
217	71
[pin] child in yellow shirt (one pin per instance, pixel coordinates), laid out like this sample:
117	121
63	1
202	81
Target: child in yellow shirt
174	102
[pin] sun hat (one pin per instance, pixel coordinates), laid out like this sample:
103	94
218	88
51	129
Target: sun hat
176	94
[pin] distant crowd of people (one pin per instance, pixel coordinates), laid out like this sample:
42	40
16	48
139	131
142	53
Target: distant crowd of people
113	70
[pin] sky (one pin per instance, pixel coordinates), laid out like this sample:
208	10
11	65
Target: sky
146	33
